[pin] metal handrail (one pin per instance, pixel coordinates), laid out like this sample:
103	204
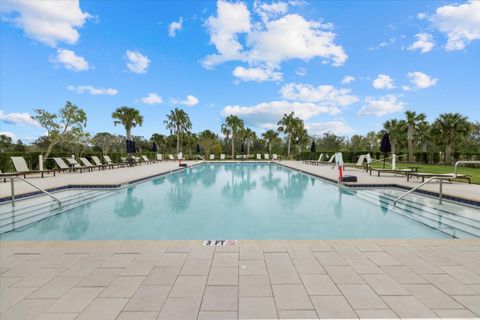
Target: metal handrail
415	188
12	185
464	162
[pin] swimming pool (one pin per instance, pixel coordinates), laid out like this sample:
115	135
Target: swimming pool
229	201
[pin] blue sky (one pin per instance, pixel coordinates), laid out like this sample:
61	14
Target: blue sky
342	66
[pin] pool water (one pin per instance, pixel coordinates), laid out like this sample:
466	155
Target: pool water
228	201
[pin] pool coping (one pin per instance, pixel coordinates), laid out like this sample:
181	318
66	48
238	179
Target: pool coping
458	200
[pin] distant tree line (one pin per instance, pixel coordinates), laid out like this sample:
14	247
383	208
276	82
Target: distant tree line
447	135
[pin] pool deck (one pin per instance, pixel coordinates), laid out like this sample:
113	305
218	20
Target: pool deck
275	279
128	174
348	279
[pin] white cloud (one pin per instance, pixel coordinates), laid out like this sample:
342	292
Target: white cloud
152	98
189	101
382	106
18	118
383	81
9	134
267	11
174	27
271	40
257	74
267	114
93	91
383	44
293	37
460	23
301	72
232	18
340	128
325	95
421	15
421	80
424	43
137	62
348	79
70	60
47	21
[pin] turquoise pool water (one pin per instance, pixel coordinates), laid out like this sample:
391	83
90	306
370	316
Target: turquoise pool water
228	201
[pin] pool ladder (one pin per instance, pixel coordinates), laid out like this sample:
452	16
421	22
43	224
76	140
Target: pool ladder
12	187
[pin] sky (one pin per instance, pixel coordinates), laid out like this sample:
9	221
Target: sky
342	66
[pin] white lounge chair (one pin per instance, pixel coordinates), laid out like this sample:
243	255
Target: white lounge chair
75	165
274	156
87	163
266	156
222	156
259	156
61	164
180	156
97	161
145	159
170	157
21	167
212	157
159	157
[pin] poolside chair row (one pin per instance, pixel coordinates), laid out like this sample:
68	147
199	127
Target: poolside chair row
320	160
266	156
423	175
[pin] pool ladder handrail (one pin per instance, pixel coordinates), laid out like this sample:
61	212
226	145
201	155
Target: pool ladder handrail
440	191
12	186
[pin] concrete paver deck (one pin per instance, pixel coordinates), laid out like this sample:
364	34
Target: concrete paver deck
186	280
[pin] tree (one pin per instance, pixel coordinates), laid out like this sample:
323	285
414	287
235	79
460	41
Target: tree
248	136
105	141
395	128
190	140
232	126
287	126
76	140
208	141
5	142
299	134
412	121
270	136
70	117
423	135
450	129
159	140
178	122
129	118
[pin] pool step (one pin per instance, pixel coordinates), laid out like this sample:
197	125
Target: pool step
32	214
445	218
42	200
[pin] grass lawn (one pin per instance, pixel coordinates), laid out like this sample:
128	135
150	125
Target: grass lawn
430	168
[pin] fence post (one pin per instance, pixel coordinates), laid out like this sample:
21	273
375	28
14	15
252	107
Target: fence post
40	162
441	191
12	188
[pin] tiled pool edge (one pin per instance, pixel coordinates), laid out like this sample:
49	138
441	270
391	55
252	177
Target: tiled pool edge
458	200
95	186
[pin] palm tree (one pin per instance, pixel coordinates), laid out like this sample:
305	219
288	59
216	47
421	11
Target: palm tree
395	128
232	126
178	122
270	136
449	129
286	125
299	134
423	135
128	117
412	121
249	137
190	139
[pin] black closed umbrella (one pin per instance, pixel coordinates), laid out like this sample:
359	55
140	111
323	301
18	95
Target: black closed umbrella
154	147
198	148
385	146
130	146
313	147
